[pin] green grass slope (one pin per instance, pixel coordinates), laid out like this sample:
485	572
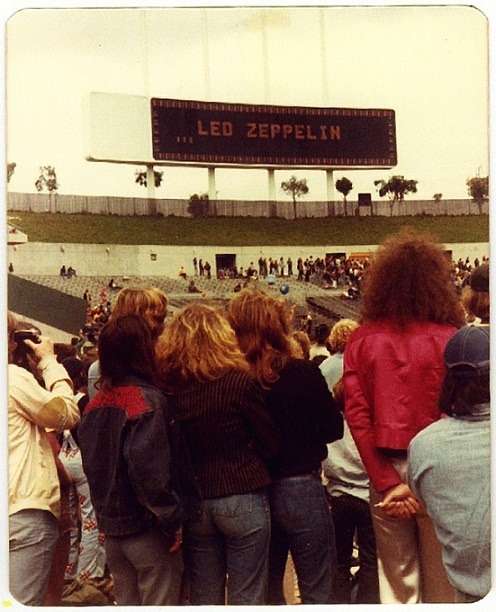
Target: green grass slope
240	231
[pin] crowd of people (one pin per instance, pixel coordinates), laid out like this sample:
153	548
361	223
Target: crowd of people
329	271
185	459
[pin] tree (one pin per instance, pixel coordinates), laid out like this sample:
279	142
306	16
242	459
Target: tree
478	190
198	205
344	186
295	188
48	180
396	188
10	171
141	177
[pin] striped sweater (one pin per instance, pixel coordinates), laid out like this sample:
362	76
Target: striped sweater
228	431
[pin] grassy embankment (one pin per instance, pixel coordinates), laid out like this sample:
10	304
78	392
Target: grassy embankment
244	231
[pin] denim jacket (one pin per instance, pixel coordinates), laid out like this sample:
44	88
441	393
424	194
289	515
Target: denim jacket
136	462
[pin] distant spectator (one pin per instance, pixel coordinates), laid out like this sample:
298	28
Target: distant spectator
475	297
87	295
208	269
303	341
62	351
320	349
290	266
182	273
11	267
63	271
71	272
192	288
332	367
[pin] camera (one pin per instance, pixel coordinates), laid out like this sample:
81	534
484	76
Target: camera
27	334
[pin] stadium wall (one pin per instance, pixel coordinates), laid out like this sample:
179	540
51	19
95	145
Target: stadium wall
150	260
107	205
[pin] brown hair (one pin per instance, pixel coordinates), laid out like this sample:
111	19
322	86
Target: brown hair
303	341
149	303
476	303
409	279
126	347
198	343
263	326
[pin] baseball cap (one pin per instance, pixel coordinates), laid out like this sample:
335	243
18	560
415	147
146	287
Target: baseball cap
467	351
479	279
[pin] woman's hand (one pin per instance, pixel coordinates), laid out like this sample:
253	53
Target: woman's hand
178	540
399	502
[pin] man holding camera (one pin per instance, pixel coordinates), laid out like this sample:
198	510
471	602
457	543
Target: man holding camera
34	491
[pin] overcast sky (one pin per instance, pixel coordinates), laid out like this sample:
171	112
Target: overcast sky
427	63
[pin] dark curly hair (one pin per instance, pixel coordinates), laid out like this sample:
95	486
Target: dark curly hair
409	279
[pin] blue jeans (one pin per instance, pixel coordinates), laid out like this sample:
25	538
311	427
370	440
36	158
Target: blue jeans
302	524
145	572
33	535
231	538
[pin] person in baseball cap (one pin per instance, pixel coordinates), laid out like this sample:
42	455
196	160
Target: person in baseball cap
466	384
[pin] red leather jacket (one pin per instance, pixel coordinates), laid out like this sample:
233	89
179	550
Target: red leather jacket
392	378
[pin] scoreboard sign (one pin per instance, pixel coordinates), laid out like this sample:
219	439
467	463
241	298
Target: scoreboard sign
218	134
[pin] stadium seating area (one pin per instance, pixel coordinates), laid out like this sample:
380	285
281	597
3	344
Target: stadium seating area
326	305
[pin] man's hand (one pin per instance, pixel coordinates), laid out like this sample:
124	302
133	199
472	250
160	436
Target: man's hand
43	348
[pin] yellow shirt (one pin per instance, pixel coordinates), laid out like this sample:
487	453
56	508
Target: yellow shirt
33	480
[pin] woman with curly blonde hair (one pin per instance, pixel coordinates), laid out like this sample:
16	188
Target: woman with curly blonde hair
230	435
303	408
393	371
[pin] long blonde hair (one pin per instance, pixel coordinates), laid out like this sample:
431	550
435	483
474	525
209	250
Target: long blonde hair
198	344
263	326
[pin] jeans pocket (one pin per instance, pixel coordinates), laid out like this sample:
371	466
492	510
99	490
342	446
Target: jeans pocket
233	505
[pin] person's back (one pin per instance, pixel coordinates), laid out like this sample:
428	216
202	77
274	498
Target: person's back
392	376
34	491
393	371
220	407
128	454
450	466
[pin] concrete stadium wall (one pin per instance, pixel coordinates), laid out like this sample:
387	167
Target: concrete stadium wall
63	203
149	260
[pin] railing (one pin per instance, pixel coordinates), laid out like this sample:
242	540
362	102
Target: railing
109	205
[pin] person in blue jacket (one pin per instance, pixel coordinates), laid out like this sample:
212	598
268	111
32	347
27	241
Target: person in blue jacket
141	482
